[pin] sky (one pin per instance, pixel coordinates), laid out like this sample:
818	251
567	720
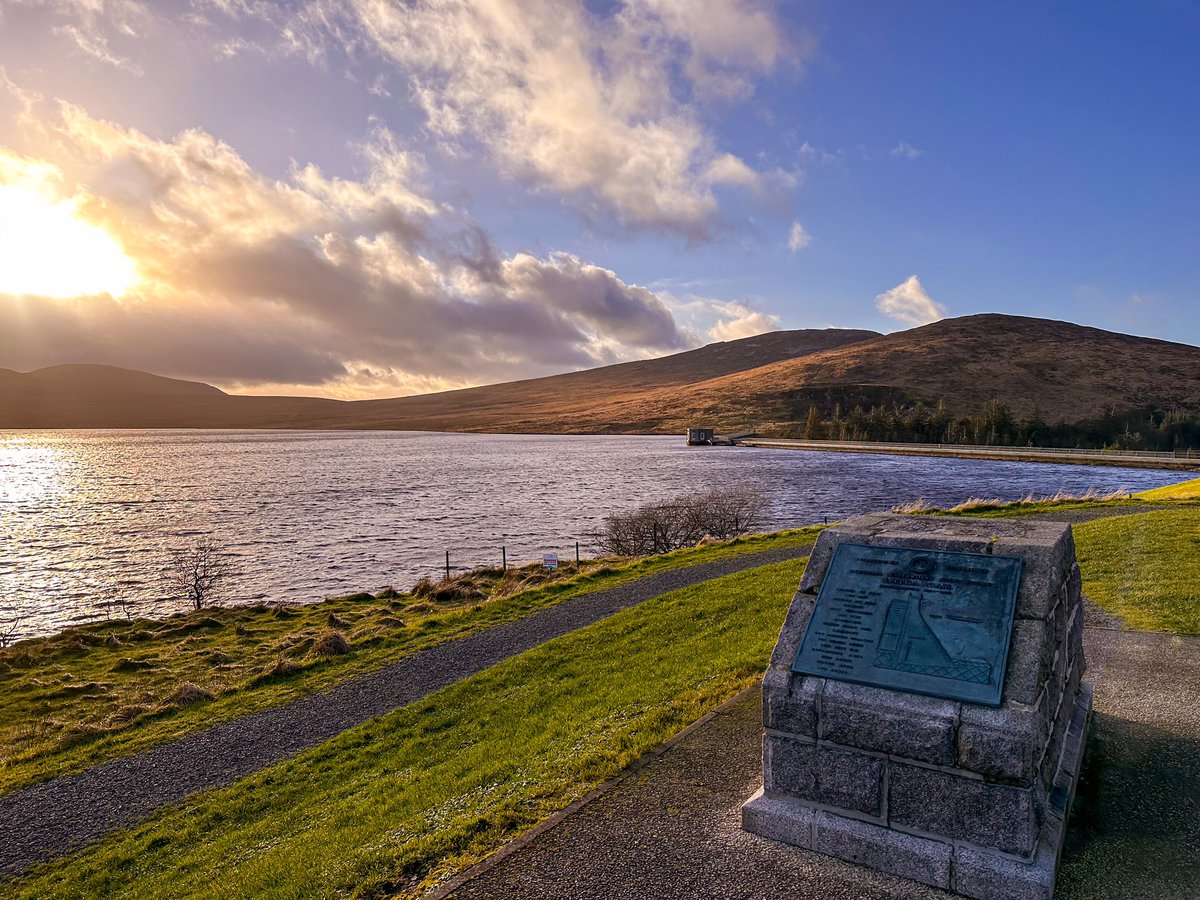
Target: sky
355	198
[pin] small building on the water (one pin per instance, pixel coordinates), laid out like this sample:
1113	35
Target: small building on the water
700	436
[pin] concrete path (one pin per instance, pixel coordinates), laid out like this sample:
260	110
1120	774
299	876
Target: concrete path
673	829
48	820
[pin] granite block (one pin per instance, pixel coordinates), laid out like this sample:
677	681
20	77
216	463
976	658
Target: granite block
889	721
792	633
824	775
915	858
935	802
778	819
858	530
790	702
988	876
1003	744
1029	655
1048	558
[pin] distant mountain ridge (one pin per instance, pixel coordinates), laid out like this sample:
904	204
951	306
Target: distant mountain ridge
1068	372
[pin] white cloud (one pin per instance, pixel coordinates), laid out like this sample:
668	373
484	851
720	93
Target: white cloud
602	104
603	107
352	286
748	325
95	45
908	302
798	238
906	150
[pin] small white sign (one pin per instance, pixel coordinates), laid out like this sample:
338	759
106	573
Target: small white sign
549	560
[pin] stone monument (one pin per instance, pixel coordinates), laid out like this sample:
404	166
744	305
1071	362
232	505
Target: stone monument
924	708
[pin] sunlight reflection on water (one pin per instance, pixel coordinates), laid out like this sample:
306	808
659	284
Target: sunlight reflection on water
86	517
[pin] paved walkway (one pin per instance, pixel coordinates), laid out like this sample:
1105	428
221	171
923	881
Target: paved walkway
673	830
48	820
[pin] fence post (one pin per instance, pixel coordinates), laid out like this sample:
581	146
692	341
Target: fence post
504	559
577	553
447	565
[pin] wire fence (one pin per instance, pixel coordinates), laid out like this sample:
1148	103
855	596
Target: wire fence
548	559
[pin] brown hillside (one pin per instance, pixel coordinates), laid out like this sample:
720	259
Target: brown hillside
538	403
90	396
1069	372
85	396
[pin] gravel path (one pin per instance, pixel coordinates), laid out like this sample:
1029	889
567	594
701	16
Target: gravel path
672	830
47	820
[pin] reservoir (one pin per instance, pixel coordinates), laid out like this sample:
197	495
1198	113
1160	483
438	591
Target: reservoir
88	517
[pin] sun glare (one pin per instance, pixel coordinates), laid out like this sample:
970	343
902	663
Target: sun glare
47	250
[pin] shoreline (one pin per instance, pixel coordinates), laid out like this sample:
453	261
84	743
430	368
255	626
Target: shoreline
1120	459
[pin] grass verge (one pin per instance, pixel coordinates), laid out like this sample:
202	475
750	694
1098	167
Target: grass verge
397	803
1185	490
1144	568
116	688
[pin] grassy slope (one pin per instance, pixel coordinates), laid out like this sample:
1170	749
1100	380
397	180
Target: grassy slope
1185	490
73	700
1145	568
430	788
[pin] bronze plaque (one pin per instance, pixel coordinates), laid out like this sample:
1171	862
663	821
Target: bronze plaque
924	621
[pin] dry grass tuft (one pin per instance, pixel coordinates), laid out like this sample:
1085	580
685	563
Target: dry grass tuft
74	689
126	714
187	694
335	621
980	504
129	664
283	668
468	586
331	643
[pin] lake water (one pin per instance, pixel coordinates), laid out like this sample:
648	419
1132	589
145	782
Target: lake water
87	517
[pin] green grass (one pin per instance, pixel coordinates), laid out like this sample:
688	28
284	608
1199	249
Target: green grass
83	697
1144	568
1185	490
392	805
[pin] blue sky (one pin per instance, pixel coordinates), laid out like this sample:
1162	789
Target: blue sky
323	197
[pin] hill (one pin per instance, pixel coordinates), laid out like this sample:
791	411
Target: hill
1067	372
93	396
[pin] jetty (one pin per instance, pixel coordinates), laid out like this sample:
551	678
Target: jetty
1184	460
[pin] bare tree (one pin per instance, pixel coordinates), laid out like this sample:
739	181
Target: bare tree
723	513
198	573
8	635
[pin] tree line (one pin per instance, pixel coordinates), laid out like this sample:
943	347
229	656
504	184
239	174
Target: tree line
996	425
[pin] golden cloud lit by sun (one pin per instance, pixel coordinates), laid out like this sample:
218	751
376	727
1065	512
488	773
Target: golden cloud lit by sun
47	249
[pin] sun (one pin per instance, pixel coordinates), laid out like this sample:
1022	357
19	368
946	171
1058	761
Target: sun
46	249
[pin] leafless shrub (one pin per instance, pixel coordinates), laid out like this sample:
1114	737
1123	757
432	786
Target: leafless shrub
8	634
720	514
198	574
